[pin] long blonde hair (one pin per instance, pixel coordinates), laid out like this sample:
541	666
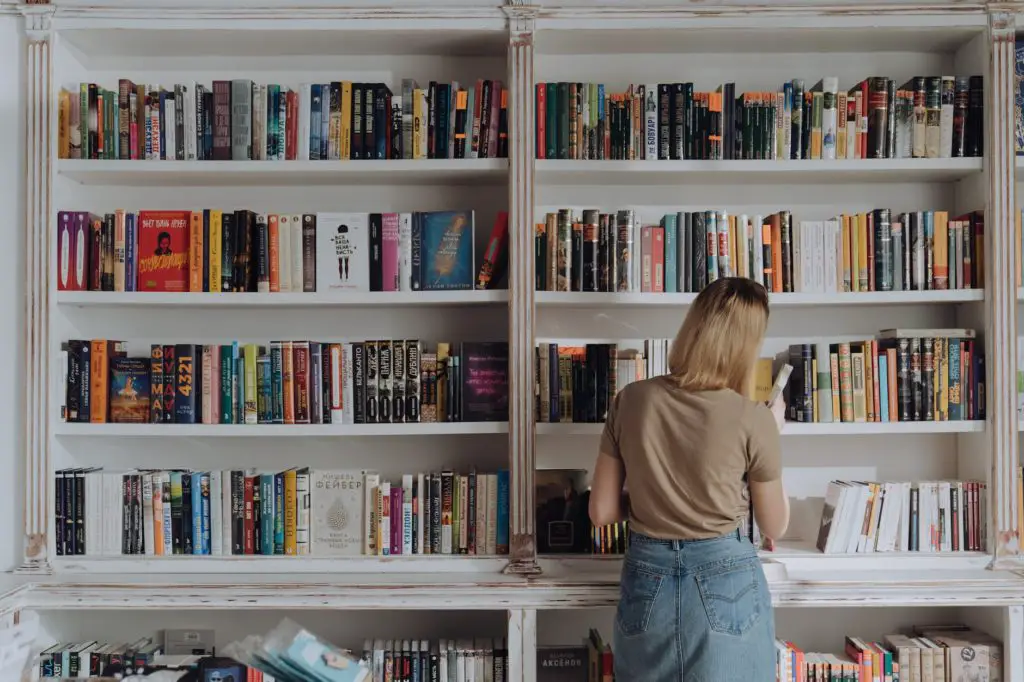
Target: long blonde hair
718	343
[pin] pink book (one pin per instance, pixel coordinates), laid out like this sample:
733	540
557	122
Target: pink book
396	520
390	253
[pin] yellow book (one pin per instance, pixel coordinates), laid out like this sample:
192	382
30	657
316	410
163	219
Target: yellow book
862	253
940	250
734	260
860	406
345	130
833	361
249	409
64	125
214	250
195	252
418	121
290	513
762	380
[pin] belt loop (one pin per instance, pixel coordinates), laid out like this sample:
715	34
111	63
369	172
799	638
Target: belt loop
739	535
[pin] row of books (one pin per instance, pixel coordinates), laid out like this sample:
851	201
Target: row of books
930	653
929	516
286	382
926	117
242	120
296	512
903	375
243	251
872	251
88	659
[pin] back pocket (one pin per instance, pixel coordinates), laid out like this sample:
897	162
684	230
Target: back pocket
639	589
733	594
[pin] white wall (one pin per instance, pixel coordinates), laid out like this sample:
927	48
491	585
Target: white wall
12	286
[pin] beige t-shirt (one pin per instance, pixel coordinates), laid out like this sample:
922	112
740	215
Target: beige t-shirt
687	456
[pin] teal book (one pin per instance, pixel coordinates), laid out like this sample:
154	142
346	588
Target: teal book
447	250
267	499
671	265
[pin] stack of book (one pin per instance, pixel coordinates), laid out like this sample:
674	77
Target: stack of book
243	251
239	120
930	516
286	382
286	513
926	117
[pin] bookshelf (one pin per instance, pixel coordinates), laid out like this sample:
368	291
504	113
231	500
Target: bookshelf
613	44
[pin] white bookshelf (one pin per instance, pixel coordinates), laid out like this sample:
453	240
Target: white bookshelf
748	43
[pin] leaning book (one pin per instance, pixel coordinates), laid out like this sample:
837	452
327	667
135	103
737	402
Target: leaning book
293	654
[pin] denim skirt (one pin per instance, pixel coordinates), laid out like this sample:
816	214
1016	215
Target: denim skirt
693	611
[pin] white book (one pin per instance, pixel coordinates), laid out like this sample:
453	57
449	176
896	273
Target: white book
225	512
348	386
147	515
190	122
296	252
405	251
336	525
829	123
262	285
407	514
724	266
302	515
422	132
442	661
799	285
946	541
384	514
216	512
284	257
305	97
480	499
946	96
113	512
651	122
94	518
335	381
492	514
371	482
342	252
758	248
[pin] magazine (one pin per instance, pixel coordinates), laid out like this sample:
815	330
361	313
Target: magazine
290	653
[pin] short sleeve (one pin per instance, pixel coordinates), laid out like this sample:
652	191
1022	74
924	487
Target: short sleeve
764	450
610	435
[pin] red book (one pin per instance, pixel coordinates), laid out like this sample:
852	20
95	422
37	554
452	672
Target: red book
163	250
646	258
541	115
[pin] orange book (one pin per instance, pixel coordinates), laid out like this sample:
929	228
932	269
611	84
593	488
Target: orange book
875	388
291	496
769	271
869	384
99	380
158	515
274	252
195	252
288	381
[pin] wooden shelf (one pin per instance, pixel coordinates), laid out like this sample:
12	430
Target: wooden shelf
275	430
575	299
801	429
108	299
789	172
284	173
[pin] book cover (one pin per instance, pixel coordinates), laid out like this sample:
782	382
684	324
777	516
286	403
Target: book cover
337	523
448	249
562	664
129	390
163	250
484	367
342	252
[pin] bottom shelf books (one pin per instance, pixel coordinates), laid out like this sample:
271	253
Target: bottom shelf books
288	513
930	516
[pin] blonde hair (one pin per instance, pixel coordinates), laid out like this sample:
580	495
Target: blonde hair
718	343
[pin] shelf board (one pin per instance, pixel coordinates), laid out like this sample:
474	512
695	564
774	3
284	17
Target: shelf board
284	173
279	430
559	172
278	564
801	429
109	299
575	299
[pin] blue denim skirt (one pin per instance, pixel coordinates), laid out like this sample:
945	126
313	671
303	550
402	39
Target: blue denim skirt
693	611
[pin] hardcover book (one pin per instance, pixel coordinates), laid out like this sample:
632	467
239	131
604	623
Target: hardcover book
448	249
342	252
129	390
337	522
163	250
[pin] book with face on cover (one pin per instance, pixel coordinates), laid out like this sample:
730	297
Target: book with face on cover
342	252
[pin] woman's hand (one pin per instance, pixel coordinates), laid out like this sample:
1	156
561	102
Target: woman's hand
778	409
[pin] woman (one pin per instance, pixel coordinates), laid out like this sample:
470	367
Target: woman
694	602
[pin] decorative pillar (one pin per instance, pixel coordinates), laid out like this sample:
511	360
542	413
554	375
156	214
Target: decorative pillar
39	141
1000	287
522	431
522	645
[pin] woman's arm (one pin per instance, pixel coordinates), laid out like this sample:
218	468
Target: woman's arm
606	500
771	507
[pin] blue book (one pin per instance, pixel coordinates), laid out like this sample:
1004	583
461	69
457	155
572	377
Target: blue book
671	237
130	271
197	512
267	514
883	386
278	513
501	536
448	249
314	121
204	489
